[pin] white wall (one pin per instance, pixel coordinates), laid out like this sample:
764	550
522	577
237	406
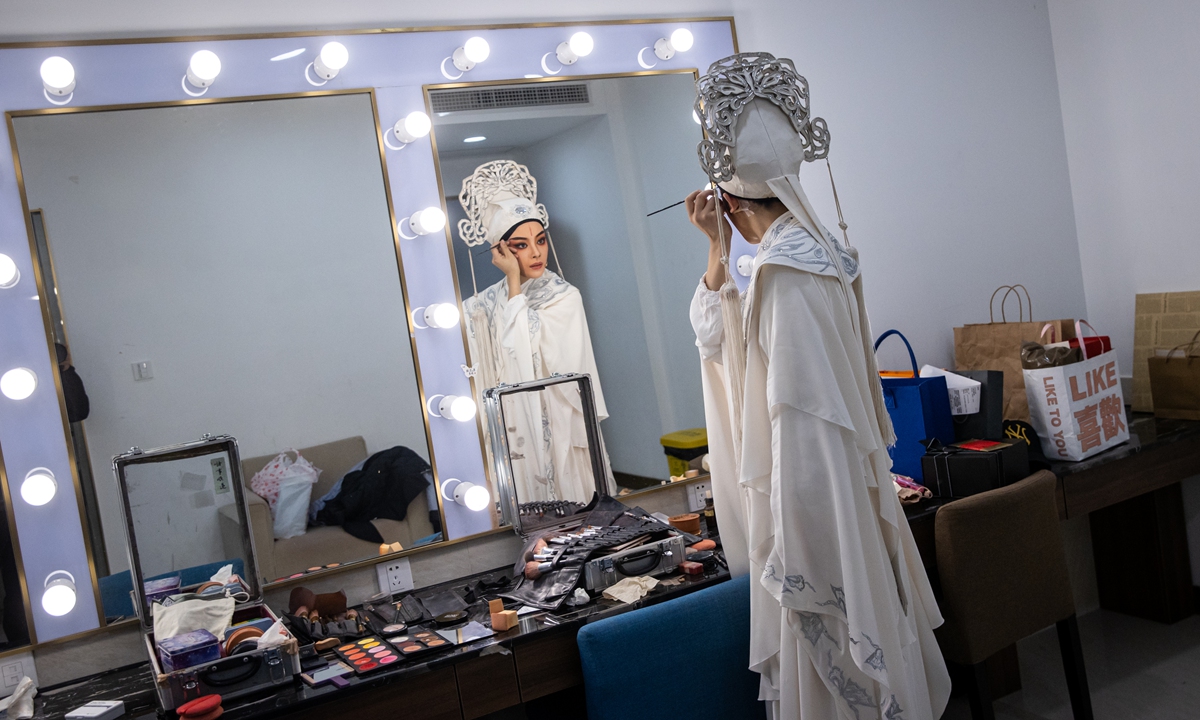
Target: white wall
947	147
1129	76
245	250
1130	80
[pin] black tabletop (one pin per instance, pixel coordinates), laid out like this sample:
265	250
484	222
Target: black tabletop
1146	432
133	684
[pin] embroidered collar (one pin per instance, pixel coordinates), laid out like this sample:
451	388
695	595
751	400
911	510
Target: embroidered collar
786	242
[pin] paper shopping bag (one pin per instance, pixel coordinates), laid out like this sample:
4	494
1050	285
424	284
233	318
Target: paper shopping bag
1175	382
920	410
1077	410
997	346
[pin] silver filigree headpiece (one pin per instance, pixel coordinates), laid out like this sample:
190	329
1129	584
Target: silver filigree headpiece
734	82
498	196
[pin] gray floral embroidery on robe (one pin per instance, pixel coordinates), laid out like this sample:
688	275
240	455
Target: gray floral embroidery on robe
797	583
787	240
812	626
839	599
893	710
855	695
875	659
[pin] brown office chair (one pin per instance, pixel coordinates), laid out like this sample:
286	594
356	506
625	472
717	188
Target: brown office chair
1004	577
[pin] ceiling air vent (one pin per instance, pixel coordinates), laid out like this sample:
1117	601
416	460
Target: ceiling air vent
515	96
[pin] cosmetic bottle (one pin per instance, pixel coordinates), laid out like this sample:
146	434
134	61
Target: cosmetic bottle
710	514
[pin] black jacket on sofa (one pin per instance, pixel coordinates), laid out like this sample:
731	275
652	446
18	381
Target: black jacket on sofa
385	486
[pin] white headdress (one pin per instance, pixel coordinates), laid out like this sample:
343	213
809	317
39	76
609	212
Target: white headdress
758	128
497	197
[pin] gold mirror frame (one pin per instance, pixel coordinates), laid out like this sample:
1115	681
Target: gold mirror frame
105	627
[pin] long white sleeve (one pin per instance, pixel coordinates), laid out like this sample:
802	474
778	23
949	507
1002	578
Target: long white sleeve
561	336
518	342
705	313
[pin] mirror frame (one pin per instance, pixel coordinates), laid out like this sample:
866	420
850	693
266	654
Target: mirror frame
395	64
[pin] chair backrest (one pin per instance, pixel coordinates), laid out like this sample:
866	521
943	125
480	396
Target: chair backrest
333	459
685	658
1002	568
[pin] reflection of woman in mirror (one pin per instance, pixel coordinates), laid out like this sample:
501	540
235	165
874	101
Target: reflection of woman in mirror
528	326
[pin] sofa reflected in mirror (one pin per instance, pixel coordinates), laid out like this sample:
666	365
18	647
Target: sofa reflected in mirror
330	545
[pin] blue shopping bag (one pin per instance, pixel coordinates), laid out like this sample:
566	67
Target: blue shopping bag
920	409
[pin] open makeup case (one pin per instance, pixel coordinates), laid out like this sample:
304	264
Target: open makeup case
554	483
172	555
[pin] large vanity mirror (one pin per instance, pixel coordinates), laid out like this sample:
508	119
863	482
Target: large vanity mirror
605	152
231	268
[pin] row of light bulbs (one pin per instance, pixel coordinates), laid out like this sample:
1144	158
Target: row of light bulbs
58	75
39	486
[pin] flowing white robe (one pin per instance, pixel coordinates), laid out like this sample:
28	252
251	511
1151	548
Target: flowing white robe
543	331
842	614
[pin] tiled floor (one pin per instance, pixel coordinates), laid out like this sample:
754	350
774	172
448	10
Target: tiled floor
1137	670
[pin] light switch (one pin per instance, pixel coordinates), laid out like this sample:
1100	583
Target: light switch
143	370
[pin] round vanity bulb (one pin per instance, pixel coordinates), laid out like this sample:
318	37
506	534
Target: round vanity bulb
696	118
441	315
59	596
9	274
581	44
18	383
682	40
476	49
429	220
39	487
58	76
457	407
333	58
203	68
745	265
411	127
473	497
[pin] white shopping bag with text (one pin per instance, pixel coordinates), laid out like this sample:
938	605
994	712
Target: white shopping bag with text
1078	410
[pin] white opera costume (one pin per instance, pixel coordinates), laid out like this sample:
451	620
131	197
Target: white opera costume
842	613
538	333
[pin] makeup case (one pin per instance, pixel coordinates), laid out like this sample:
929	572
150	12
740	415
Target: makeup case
196	480
561	490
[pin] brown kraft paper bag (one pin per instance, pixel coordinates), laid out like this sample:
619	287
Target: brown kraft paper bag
1175	382
997	346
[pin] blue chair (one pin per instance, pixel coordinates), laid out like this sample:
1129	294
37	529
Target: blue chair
685	658
115	589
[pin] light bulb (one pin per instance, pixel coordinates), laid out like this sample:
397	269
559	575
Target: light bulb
203	68
441	315
473	497
682	39
9	274
59	596
333	58
18	383
412	127
457	407
429	220
476	49
581	44
58	76
696	118
39	487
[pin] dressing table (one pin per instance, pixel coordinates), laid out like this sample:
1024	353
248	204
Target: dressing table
464	682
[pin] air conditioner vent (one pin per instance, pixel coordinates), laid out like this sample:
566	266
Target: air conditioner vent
512	96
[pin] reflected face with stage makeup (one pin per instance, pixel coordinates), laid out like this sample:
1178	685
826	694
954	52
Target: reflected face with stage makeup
524	252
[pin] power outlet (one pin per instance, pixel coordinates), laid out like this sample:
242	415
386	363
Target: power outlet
395	576
696	493
12	669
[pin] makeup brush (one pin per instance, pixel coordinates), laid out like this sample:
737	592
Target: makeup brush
666	208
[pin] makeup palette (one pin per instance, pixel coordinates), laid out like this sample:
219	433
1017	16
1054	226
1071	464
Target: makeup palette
368	655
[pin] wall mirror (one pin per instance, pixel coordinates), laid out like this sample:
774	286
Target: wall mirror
606	152
231	268
379	78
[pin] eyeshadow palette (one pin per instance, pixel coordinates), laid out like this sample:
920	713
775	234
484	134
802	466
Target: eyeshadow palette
418	642
368	655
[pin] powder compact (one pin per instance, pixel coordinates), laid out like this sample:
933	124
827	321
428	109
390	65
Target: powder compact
450	618
419	642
